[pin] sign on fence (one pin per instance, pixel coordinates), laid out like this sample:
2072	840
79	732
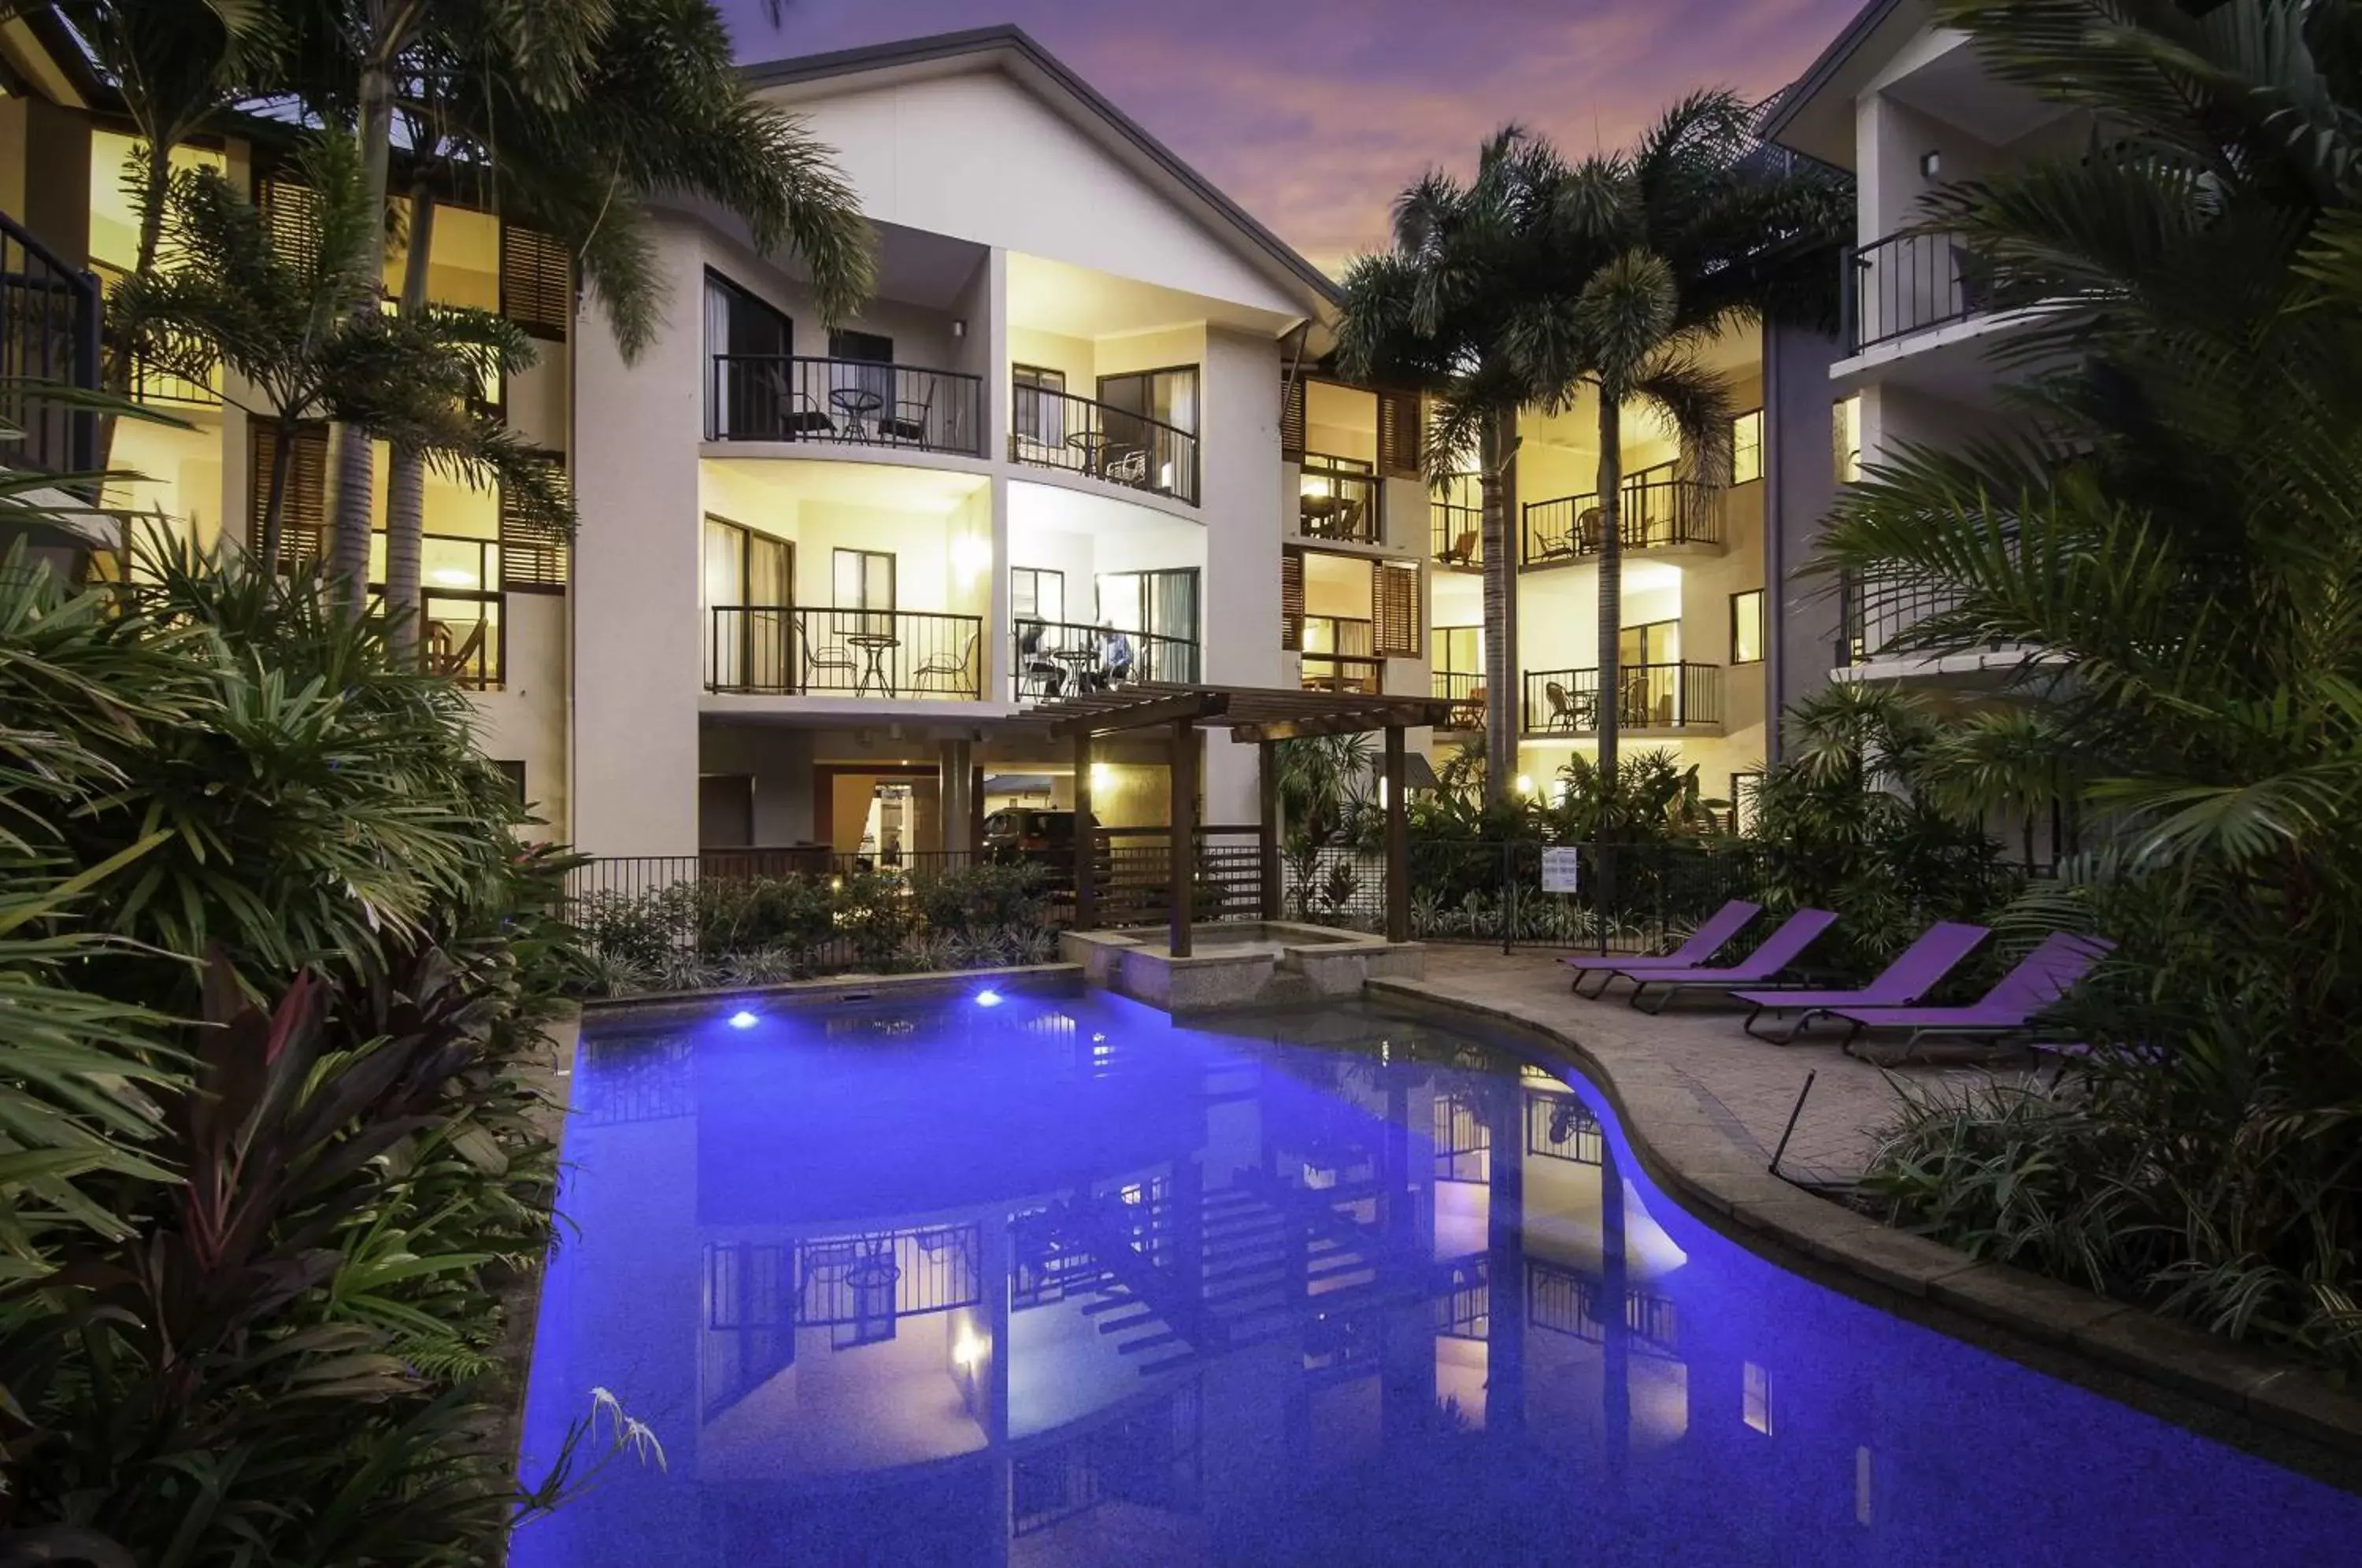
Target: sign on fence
1562	870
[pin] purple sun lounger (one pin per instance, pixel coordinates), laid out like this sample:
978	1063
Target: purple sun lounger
2041	977
1773	953
1914	973
1704	943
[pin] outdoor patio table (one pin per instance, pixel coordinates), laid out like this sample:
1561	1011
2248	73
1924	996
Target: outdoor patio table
856	403
874	646
1092	445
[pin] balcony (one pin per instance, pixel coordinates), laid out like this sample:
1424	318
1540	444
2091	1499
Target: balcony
1679	696
1466	690
784	397
1336	498
48	332
1911	283
805	650
1054	658
1079	436
463	634
1455	525
1659	512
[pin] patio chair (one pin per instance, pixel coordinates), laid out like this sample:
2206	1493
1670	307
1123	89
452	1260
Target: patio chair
1771	956
1704	942
2041	977
1571	714
452	662
908	423
943	666
1590	531
1914	972
1462	551
1128	467
829	659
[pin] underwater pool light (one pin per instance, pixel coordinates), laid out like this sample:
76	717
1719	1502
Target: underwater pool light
987	997
742	1019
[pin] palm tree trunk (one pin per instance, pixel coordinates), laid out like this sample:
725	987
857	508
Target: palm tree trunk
405	487
274	501
1611	596
356	487
1493	480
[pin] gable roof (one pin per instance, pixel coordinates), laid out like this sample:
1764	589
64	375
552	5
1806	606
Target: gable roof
1801	117
1020	57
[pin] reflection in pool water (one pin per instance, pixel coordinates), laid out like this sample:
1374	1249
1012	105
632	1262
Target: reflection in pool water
1063	1281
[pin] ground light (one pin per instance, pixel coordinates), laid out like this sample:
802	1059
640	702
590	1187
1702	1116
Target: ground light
742	1019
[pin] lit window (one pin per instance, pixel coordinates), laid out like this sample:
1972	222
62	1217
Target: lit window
1845	437
1746	626
1747	447
1757	1396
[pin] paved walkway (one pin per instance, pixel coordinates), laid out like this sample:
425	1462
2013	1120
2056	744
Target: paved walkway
1747	1086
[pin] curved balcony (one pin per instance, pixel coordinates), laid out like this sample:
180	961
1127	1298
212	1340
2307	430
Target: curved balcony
1658	512
860	402
1051	429
805	650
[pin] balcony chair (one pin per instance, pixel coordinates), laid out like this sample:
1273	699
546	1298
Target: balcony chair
1128	467
1590	531
830	658
797	415
1462	551
942	667
454	662
1470	713
1571	714
907	425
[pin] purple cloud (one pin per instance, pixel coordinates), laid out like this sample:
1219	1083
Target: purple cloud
1314	114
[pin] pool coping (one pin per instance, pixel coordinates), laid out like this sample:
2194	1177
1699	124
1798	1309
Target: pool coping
1024	980
2115	1348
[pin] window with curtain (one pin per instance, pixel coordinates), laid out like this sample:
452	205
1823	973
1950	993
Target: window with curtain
747	344
1037	412
864	579
1658	642
1163	604
1746	626
748	584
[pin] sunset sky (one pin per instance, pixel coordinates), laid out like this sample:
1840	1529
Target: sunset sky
1314	113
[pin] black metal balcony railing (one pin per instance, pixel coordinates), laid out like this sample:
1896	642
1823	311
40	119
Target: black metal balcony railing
462	633
1653	697
1466	690
1337	500
1455	525
1658	512
804	650
48	332
1053	430
781	397
1056	659
1874	614
1910	283
1343	672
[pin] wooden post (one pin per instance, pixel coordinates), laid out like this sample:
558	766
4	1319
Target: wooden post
1267	832
1181	871
1087	840
1397	841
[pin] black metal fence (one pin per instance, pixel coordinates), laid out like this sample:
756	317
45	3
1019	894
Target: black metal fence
1051	429
1056	659
1874	614
1466	690
790	397
1656	510
48	332
1455	523
801	649
1909	283
1651	697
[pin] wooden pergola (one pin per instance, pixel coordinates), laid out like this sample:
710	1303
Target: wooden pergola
1259	715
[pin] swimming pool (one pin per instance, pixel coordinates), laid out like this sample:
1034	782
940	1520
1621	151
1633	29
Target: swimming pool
1063	1281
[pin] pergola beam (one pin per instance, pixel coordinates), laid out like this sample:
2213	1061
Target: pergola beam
1359	721
1115	716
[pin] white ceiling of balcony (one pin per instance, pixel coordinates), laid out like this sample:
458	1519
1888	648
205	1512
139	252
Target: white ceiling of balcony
923	268
1954	88
930	491
1075	301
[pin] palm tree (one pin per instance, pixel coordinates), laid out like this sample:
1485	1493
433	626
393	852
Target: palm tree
287	325
660	110
1697	230
2174	540
1438	313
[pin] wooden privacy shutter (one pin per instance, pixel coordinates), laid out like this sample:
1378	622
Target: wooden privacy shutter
291	217
1398	434
1291	600
536	281
304	509
1394	605
1291	418
532	554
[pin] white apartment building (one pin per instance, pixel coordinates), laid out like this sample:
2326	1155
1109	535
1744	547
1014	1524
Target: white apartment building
820	569
1907	107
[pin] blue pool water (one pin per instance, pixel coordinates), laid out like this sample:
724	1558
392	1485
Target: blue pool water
1062	1281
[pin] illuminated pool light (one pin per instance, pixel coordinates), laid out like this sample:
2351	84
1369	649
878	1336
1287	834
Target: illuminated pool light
742	1019
987	997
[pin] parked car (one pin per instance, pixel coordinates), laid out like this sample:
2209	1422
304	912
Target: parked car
1028	834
